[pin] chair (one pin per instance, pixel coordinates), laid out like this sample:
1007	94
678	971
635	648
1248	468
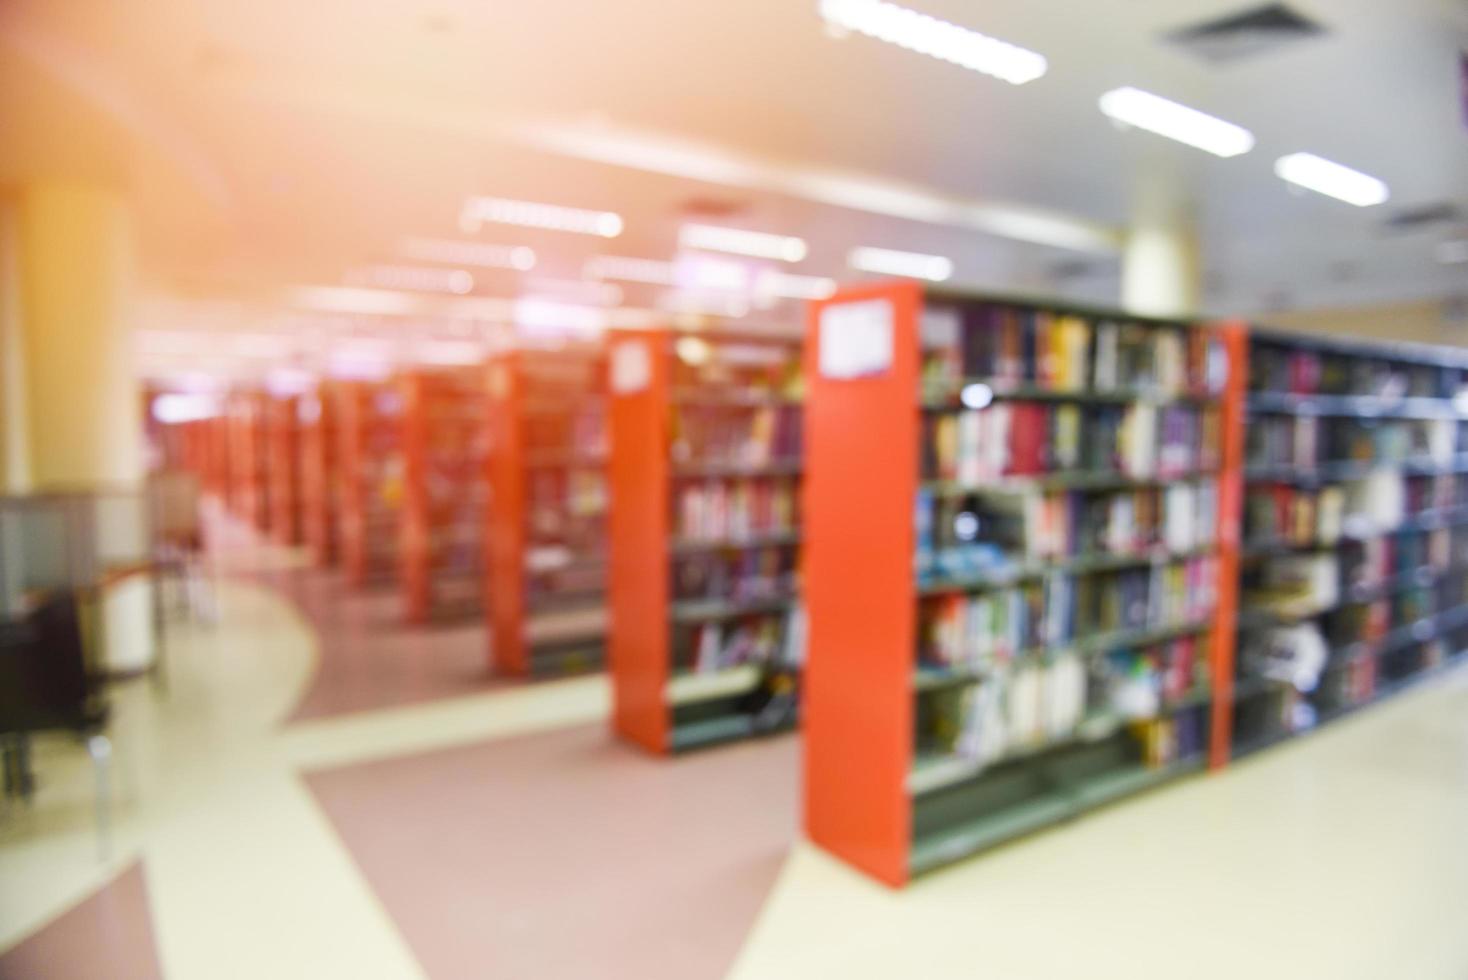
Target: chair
45	685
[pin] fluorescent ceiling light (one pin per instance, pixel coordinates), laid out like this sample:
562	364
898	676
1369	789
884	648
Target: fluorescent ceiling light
1331	179
696	271
772	282
1164	117
928	35
575	291
425	279
912	265
482	254
704	304
738	241
542	314
625	269
478	211
177	408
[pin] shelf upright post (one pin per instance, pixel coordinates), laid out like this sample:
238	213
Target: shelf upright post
861	481
505	528
351	433
1235	335
414	522
638	473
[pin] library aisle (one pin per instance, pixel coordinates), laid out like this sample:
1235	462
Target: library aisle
413	841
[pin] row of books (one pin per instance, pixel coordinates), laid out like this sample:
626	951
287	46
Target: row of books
1138	440
1439	491
723	509
992	627
558	497
1310	441
770	639
1034	705
736	435
1018	345
970	534
1310	515
1307	372
744	575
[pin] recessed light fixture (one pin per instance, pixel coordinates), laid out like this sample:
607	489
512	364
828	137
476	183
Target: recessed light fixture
740	241
478	211
911	265
1176	121
938	38
481	254
1331	179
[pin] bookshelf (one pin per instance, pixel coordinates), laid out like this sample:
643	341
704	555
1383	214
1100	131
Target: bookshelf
707	635
547	530
445	440
370	452
1038	500
1355	557
283	468
248	483
318	464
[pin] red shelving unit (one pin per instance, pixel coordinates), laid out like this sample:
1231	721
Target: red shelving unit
706	633
370	430
1080	677
249	488
445	444
283	468
320	499
547	525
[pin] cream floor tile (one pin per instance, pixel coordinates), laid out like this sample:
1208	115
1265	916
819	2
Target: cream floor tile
1341	856
246	877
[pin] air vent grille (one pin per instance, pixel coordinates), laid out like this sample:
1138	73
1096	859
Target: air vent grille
1424	216
1245	35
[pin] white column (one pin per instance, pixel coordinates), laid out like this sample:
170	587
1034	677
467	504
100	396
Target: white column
1161	272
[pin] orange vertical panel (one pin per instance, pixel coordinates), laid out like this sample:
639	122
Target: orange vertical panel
282	469
413	520
860	485
506	598
638	474
351	423
1230	516
317	455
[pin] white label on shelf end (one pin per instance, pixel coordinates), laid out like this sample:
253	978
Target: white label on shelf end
631	367
856	339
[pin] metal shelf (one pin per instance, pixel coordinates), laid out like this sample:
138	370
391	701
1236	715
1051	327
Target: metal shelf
705	610
1065	480
1007	575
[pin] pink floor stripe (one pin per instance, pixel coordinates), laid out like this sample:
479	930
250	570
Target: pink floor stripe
370	659
110	934
565	855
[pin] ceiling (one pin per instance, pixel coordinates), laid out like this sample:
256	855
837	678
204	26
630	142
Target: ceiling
274	142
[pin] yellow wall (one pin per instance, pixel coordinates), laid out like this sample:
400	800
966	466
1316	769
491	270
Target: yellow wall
82	402
14	449
1423	323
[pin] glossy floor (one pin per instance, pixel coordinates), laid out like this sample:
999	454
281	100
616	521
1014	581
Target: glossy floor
369	845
